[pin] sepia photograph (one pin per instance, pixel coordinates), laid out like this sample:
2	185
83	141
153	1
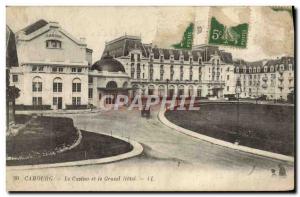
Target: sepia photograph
150	98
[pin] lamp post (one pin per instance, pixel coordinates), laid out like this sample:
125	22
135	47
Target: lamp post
238	90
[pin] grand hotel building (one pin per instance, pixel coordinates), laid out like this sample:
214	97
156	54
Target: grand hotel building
55	70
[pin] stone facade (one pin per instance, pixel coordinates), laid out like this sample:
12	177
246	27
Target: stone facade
53	67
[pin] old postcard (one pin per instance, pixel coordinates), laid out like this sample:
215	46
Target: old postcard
150	98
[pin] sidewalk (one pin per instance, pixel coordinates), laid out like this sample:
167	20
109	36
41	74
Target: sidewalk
82	111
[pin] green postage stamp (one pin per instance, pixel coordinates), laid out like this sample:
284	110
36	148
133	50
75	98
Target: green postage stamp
221	34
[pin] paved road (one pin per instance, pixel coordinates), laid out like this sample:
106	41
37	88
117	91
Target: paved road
166	151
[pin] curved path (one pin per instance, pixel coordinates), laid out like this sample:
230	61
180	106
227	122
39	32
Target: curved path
161	142
167	149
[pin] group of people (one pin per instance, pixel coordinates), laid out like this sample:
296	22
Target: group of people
281	171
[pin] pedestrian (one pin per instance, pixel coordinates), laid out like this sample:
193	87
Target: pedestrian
273	171
282	171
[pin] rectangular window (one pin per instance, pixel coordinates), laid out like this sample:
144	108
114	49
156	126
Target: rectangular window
36	101
90	93
34	68
54	69
55	100
36	86
76	100
227	88
41	68
76	87
227	77
90	79
15	78
79	70
57	87
60	69
73	70
199	92
138	57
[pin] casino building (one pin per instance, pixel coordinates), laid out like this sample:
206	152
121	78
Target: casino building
53	68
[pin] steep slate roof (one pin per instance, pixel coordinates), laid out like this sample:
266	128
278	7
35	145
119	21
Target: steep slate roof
35	26
123	45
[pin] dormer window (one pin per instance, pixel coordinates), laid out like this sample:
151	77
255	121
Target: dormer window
53	44
258	69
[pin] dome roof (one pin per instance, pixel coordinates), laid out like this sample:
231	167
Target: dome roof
109	64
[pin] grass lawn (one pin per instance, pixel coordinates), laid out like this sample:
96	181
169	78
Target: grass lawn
265	127
44	134
92	146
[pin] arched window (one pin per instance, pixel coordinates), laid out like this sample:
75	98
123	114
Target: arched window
250	70
125	84
161	90
57	85
265	69
136	89
53	44
76	85
180	90
37	84
272	69
112	85
258	69
150	89
171	90
254	70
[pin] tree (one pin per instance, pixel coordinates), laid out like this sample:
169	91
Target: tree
12	94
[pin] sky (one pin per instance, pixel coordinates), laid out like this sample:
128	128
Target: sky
270	33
